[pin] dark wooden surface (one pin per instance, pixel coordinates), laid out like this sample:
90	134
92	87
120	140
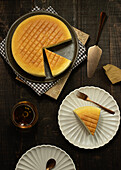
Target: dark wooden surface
84	15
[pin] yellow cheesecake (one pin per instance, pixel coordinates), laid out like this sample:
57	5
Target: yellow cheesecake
57	63
89	116
34	34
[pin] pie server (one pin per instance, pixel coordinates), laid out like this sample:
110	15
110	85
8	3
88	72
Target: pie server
94	52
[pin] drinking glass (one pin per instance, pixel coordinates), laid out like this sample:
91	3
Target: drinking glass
24	114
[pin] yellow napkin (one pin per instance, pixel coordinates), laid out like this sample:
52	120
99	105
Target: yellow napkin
113	73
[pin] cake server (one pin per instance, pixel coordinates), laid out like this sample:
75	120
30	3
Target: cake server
94	52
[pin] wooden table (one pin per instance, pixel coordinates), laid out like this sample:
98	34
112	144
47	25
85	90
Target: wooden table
84	15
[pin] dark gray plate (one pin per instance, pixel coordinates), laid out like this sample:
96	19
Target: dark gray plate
68	50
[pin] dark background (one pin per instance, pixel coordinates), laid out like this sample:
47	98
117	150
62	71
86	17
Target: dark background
84	15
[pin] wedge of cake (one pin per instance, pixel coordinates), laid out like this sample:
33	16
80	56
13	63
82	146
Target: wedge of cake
57	63
34	34
89	116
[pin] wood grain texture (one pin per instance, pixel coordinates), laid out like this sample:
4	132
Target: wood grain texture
84	15
55	91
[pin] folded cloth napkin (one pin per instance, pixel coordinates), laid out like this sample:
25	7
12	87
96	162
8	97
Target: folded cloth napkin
41	88
113	73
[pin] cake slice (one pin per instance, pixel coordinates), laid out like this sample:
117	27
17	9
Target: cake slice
57	63
89	116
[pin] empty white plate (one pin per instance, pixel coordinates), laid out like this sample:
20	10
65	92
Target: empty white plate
37	157
73	129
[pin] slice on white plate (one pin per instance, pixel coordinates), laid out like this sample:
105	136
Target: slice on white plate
89	116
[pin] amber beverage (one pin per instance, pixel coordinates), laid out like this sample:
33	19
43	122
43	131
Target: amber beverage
24	114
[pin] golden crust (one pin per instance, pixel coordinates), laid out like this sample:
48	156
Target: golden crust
57	63
89	116
31	36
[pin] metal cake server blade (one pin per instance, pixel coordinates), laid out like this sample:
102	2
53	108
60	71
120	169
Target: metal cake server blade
94	52
94	55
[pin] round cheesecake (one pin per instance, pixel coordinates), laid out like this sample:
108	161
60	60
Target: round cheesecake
34	34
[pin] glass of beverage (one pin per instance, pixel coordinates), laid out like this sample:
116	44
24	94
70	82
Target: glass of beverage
24	114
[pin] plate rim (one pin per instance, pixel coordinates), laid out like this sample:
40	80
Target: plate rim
45	145
104	143
36	79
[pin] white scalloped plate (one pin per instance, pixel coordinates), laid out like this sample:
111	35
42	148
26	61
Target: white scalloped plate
73	129
37	157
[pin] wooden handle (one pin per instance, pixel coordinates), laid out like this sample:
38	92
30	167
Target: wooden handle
102	19
33	4
104	108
